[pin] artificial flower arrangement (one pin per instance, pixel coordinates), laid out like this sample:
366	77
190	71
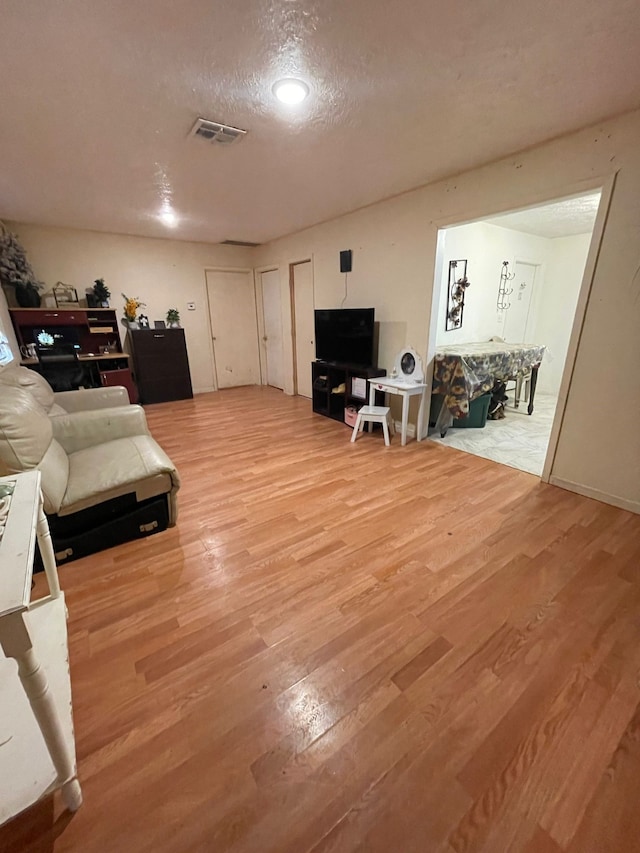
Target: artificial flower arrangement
131	305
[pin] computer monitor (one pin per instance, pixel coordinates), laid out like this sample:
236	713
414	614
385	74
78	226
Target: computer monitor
52	337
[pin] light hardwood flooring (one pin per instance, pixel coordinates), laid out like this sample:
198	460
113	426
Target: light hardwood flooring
343	647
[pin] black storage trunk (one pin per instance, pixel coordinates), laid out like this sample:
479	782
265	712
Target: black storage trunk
109	524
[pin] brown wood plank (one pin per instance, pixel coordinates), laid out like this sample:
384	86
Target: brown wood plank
348	648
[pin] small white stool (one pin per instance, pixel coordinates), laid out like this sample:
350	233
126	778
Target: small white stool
374	415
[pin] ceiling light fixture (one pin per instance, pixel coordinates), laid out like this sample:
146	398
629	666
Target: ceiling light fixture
168	218
290	90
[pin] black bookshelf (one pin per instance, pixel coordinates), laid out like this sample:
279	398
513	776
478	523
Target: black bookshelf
333	388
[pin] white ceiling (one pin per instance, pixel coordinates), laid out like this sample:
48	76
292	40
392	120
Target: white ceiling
560	219
98	99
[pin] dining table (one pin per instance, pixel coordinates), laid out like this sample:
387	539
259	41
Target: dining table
463	372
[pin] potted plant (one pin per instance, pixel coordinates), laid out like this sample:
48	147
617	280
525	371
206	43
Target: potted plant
101	293
173	318
16	275
131	305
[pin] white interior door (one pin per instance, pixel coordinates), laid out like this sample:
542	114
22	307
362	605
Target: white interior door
272	311
305	347
515	325
234	328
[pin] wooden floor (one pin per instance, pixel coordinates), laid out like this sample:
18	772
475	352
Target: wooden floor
351	648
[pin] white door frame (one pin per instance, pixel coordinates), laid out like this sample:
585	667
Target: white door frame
292	309
606	186
212	353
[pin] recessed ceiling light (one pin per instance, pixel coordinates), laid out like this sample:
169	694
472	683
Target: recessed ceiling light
168	218
290	90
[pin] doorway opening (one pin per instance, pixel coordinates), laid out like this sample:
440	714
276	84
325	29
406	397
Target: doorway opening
524	276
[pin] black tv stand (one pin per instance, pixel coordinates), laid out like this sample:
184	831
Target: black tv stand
330	399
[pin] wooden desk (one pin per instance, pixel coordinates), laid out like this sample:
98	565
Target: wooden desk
89	356
104	370
391	385
92	330
37	748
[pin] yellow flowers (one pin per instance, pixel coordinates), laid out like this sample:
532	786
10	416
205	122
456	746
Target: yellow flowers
131	305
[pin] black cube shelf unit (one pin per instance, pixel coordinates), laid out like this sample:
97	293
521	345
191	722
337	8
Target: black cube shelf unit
333	388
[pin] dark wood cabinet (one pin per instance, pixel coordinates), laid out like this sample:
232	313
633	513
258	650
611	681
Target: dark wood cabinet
160	364
114	376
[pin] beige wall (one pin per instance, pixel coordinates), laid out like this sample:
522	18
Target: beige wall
394	246
162	273
554	306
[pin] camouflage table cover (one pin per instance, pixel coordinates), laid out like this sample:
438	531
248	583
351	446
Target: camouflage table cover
463	372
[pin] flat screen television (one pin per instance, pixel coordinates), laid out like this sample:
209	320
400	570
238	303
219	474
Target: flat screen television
345	335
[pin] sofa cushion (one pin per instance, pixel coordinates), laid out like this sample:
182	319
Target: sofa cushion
55	474
25	430
134	464
29	380
26	442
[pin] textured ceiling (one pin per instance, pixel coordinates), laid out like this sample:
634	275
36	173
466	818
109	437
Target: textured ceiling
98	99
561	219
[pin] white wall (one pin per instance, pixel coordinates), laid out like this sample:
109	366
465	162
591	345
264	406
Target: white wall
485	246
162	273
394	245
554	306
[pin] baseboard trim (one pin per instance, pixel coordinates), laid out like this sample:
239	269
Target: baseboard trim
203	390
596	494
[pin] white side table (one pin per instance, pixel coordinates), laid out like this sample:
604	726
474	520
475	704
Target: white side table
37	747
406	389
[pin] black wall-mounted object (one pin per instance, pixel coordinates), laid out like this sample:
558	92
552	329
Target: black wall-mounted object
345	260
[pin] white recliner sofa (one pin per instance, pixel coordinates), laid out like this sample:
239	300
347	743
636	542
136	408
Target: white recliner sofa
104	478
61	402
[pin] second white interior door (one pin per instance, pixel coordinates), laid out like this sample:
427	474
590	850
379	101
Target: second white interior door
234	328
305	347
517	317
272	309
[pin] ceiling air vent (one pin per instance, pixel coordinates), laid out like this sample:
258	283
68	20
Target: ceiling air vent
240	243
213	131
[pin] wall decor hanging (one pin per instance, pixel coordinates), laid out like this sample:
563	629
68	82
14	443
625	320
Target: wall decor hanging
456	288
504	291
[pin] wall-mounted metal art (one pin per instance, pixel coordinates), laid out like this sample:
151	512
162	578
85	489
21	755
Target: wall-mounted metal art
456	288
504	291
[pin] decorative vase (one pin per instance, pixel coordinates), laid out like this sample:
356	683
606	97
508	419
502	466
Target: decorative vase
133	324
27	296
174	325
